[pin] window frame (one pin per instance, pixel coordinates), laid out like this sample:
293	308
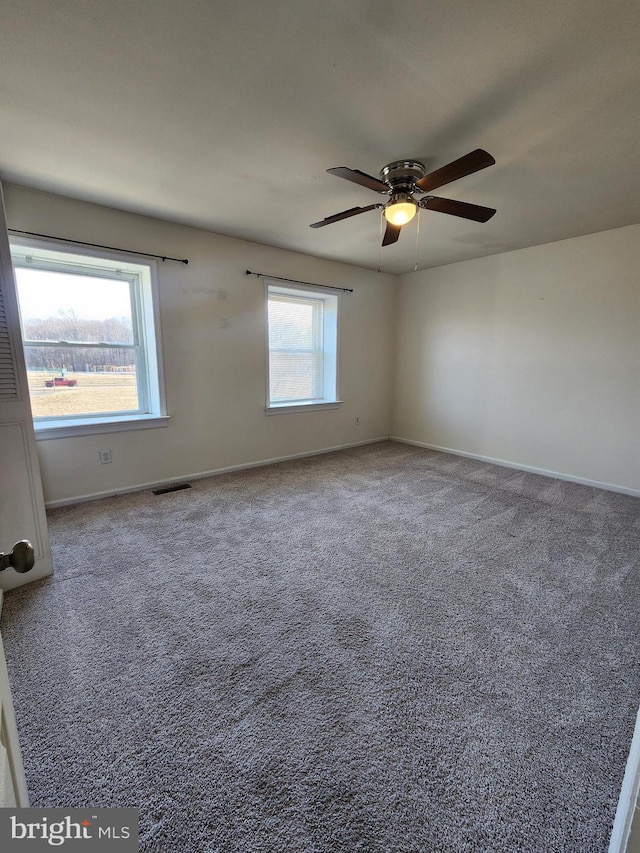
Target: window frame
330	347
141	273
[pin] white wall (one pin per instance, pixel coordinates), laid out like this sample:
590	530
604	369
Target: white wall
214	353
531	357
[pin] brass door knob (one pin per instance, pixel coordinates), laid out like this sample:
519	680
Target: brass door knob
21	558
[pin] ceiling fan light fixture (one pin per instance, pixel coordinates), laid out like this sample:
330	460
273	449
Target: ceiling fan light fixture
400	210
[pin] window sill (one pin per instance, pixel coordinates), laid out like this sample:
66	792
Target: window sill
287	408
95	426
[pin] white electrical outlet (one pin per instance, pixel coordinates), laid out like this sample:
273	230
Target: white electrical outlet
105	456
357	421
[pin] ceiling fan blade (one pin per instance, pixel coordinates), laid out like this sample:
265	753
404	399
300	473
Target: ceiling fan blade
466	165
353	211
458	208
391	234
358	177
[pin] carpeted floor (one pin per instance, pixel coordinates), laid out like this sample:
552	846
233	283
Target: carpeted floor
385	649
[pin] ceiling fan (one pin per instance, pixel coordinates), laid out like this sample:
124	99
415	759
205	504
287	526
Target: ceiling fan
403	179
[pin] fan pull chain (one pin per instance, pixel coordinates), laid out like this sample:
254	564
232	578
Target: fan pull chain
415	269
380	244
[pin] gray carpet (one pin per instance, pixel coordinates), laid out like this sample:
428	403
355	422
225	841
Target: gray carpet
385	649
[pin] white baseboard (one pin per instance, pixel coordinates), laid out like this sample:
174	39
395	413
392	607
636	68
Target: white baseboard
199	475
530	469
93	496
628	797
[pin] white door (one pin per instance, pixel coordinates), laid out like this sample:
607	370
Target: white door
13	786
22	513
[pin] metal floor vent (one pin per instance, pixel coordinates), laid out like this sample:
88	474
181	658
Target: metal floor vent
178	487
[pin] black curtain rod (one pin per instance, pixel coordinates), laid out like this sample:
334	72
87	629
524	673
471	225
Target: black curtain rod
297	281
98	246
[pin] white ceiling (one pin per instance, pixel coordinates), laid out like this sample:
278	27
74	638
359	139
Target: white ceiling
225	114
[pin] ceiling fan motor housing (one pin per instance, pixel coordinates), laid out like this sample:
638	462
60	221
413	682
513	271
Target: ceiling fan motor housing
401	175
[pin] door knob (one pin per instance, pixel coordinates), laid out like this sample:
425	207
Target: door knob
21	558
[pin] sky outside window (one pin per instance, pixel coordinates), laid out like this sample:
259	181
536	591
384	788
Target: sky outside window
43	294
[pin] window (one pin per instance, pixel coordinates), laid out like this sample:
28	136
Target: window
90	340
303	342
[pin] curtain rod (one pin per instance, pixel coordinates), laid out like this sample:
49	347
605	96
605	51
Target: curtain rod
98	246
297	281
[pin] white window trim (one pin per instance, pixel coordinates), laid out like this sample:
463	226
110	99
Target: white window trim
288	408
312	405
49	428
96	426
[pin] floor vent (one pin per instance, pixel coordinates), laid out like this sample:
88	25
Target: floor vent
177	488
